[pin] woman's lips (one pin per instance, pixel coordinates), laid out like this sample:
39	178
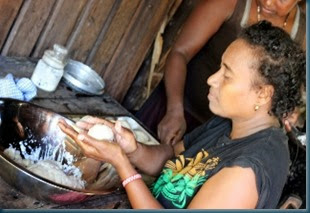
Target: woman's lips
267	11
211	96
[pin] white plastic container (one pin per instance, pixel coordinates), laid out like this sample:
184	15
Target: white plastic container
49	70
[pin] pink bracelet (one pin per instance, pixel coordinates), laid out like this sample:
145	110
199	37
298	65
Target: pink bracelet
130	179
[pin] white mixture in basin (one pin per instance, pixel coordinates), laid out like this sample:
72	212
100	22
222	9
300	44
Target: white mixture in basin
52	170
48	169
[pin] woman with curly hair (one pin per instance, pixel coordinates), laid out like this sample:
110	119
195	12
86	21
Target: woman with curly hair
179	103
238	159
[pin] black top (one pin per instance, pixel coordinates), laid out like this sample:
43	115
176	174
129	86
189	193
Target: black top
208	149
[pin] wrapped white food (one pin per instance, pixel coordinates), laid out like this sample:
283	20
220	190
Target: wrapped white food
141	136
125	124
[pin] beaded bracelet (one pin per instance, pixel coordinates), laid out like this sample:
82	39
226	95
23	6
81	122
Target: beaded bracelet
130	179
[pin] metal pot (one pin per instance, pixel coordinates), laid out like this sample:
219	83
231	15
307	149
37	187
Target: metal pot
33	126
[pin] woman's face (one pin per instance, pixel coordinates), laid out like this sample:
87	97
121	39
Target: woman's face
272	8
231	93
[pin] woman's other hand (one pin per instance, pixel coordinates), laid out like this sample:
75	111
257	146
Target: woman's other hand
125	138
171	128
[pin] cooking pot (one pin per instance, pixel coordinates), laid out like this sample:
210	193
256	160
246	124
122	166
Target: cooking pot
27	127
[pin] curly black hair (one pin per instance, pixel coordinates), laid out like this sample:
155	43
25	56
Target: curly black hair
282	64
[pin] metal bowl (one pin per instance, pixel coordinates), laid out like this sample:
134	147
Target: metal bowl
82	78
33	126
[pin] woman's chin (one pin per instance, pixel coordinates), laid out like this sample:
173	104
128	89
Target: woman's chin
213	109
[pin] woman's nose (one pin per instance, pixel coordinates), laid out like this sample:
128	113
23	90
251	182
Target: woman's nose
213	79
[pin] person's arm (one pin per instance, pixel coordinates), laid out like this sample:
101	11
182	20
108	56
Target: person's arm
149	159
144	157
204	22
230	188
138	193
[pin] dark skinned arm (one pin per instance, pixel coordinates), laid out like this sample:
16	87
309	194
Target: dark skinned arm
201	25
144	157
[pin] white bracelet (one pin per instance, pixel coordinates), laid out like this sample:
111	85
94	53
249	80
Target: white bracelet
130	179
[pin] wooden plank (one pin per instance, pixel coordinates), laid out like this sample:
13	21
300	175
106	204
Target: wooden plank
137	93
115	200
104	31
27	28
134	46
81	45
10	198
60	25
8	11
64	100
18	66
114	35
98	106
171	34
81	20
176	23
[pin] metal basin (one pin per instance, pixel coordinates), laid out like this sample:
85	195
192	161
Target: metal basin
27	126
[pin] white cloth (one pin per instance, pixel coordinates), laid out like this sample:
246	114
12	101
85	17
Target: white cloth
21	89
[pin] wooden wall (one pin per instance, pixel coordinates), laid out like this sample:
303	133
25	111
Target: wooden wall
112	36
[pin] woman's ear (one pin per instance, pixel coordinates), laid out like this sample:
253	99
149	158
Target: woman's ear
265	94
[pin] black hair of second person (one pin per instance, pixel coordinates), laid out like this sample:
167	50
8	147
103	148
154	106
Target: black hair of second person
282	65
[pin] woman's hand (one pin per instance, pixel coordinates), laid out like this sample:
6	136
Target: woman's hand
92	148
171	128
123	136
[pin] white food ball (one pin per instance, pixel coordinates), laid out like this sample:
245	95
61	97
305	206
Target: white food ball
101	132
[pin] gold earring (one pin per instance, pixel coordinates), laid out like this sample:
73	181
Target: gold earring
256	107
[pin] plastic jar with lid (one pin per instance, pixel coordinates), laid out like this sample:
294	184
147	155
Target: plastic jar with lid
49	70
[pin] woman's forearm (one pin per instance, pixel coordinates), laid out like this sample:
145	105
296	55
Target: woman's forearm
138	193
151	159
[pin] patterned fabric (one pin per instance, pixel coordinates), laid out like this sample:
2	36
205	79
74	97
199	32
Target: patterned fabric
21	89
180	179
